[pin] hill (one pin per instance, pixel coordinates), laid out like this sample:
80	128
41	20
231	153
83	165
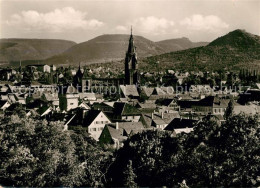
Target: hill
178	44
105	48
31	49
233	51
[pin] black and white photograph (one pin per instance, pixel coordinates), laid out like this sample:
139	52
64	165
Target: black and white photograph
130	93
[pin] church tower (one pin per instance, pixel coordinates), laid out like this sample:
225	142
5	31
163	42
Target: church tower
131	65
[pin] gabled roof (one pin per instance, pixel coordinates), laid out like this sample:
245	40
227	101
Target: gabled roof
166	102
213	101
129	90
51	96
258	85
159	122
44	110
146	105
84	105
98	105
83	118
147	91
178	123
129	126
90	117
2	103
116	133
121	108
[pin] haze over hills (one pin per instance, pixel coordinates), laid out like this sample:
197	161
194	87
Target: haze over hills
31	49
178	44
113	47
233	51
106	48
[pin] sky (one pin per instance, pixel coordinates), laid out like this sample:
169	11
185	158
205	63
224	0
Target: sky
82	20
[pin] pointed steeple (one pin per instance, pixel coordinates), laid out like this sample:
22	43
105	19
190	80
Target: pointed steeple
131	64
131	47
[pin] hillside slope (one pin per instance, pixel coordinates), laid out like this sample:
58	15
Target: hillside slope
178	44
105	48
238	49
31	49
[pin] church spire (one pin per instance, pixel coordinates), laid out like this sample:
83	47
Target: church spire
131	64
131	47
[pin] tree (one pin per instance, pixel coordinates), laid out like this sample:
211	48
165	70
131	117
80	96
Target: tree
230	109
40	153
129	176
223	154
152	155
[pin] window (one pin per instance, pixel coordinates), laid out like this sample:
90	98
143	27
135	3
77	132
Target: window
94	129
71	103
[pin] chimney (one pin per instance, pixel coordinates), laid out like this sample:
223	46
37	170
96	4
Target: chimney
152	115
162	114
117	126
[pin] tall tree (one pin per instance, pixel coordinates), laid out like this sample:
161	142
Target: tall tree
129	176
230	109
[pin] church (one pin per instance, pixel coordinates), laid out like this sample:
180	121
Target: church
131	64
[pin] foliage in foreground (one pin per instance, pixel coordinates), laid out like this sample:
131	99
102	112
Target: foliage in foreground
40	153
214	154
37	153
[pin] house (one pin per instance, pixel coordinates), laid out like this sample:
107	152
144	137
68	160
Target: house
44	111
126	112
83	105
93	120
129	91
171	104
88	96
39	67
162	92
179	123
52	98
159	123
146	105
165	118
146	91
181	130
70	100
53	68
4	105
114	134
211	105
107	107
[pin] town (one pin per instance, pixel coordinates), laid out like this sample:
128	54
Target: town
113	106
134	122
